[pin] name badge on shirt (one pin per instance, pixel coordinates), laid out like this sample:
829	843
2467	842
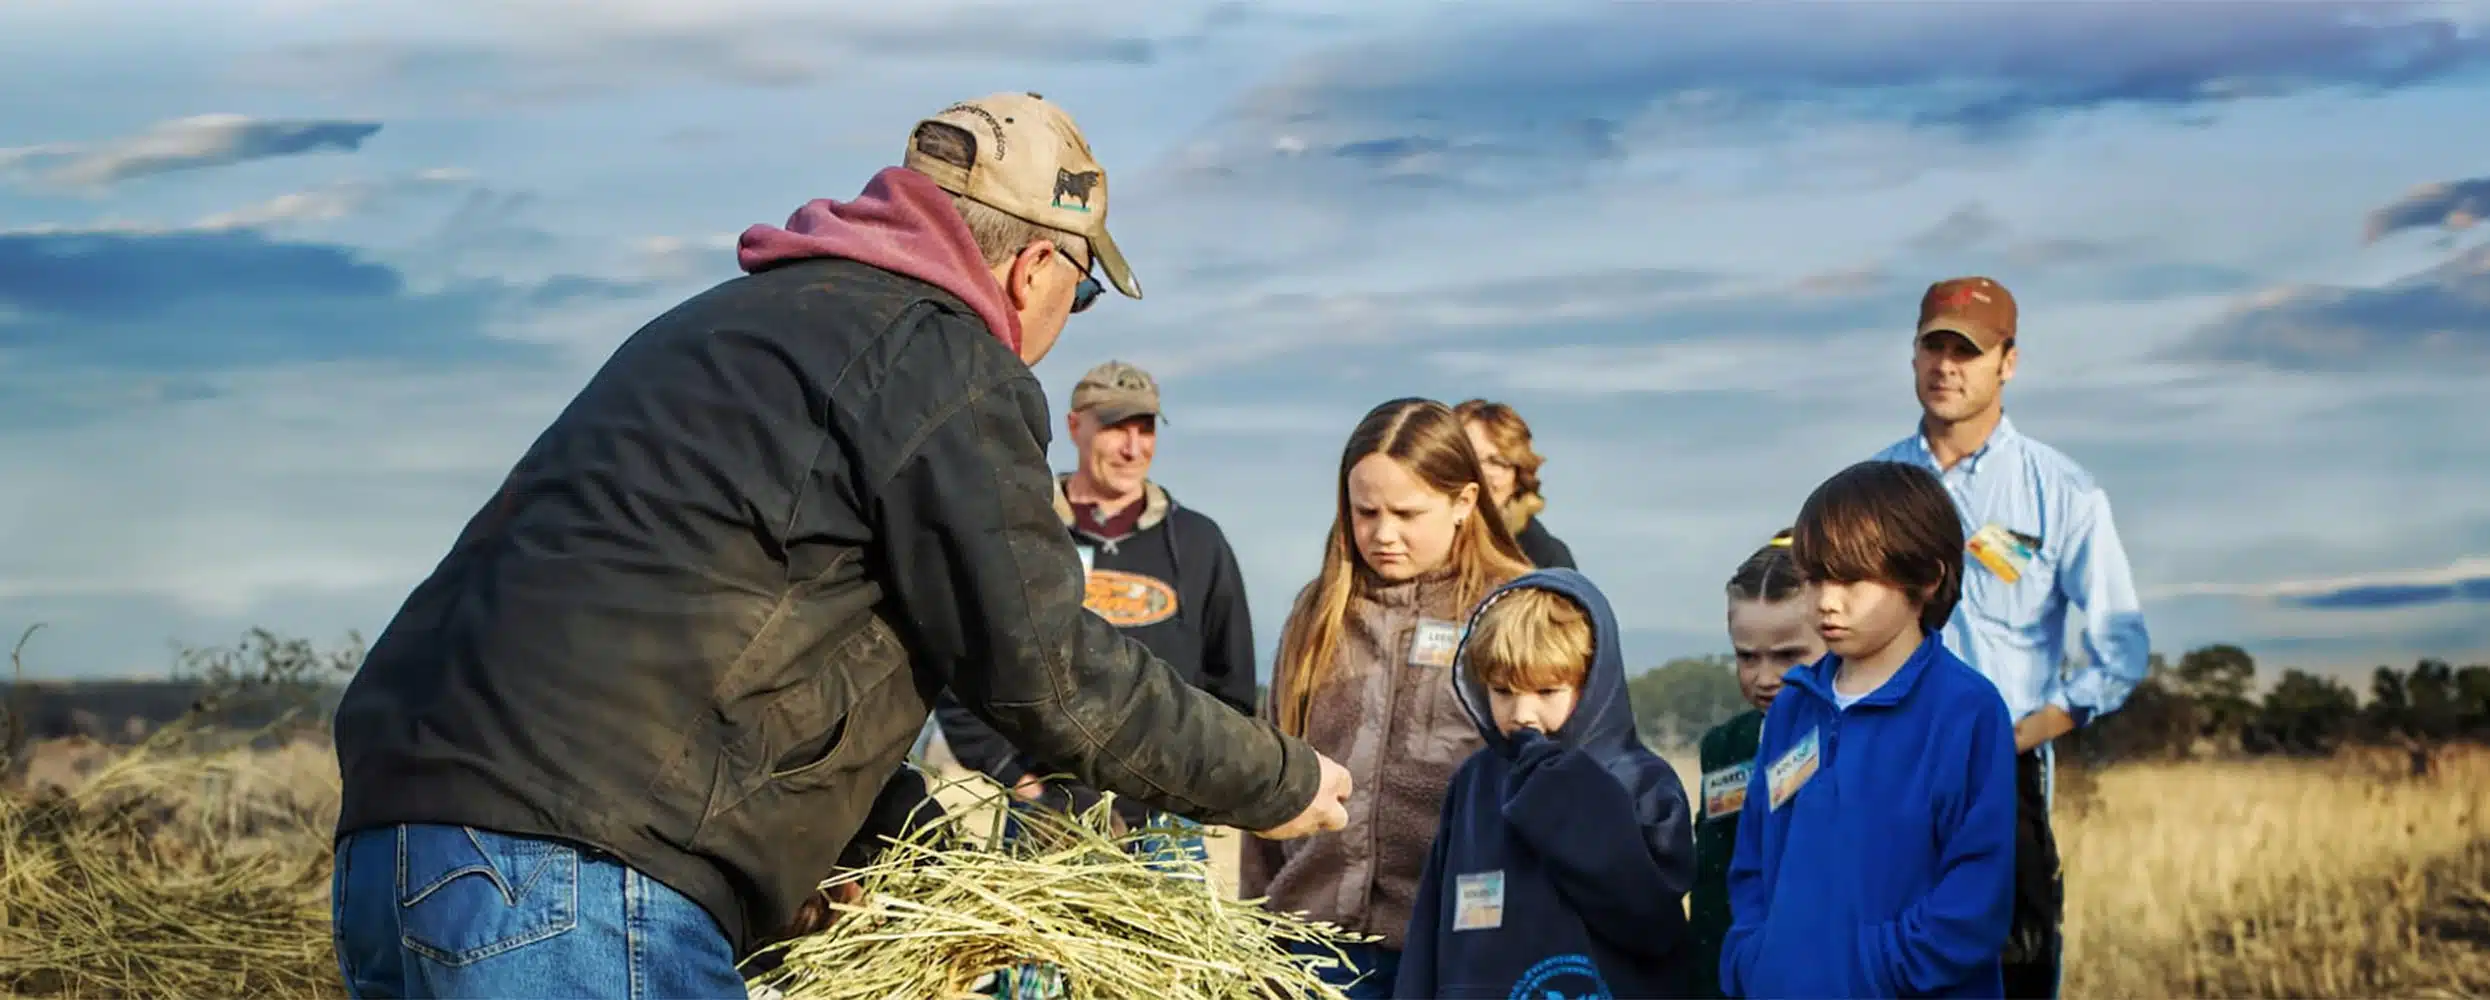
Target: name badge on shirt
1478	901
1434	643
2005	553
1790	773
1724	790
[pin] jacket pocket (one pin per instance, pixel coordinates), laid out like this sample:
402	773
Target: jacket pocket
465	895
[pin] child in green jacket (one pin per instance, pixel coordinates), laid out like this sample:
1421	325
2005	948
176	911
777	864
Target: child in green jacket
1772	628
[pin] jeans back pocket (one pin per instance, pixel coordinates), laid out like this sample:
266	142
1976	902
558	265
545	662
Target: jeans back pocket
465	895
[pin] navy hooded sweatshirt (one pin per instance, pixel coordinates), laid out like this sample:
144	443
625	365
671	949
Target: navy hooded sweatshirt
1561	863
1888	868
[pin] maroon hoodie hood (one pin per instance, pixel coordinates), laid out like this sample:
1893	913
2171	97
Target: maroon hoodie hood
902	223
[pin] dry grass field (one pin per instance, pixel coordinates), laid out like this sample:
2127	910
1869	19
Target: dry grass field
187	873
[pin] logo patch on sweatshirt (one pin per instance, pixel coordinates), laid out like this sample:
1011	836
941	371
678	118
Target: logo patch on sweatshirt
1478	901
1564	977
1129	600
1790	773
1724	790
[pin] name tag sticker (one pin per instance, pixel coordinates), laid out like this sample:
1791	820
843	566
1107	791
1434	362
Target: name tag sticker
1790	773
1434	643
2005	553
1724	790
1478	901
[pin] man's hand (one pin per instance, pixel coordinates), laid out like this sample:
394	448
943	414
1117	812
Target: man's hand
1329	811
2042	726
816	915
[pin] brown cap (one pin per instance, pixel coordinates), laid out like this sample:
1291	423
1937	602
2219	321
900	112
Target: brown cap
1021	155
1115	392
1976	307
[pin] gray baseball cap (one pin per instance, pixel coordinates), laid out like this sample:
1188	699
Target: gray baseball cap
1115	392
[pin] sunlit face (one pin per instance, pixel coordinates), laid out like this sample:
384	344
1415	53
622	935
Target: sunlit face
1499	472
1955	379
1861	618
1768	639
1116	456
1544	709
1403	528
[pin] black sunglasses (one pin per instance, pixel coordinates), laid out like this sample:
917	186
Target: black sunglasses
1086	293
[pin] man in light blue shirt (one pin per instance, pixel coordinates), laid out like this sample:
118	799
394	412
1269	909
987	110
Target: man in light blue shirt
2042	543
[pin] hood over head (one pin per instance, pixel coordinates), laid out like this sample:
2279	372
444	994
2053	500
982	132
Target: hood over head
1602	723
902	222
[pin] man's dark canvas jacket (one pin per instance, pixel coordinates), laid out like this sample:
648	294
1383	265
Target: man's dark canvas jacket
1171	582
706	615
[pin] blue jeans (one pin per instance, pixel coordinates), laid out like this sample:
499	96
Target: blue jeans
451	911
1381	967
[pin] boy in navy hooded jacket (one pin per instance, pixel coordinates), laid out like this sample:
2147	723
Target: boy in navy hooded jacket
1876	854
1564	853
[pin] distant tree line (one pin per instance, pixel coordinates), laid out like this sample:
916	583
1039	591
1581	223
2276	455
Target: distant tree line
2205	705
272	685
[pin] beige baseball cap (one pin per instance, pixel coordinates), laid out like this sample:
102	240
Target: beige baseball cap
1023	156
1115	392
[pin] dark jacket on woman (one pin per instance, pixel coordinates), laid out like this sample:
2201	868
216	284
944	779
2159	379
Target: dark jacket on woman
1544	550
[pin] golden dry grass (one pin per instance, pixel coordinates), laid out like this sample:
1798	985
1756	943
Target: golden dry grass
953	904
2277	878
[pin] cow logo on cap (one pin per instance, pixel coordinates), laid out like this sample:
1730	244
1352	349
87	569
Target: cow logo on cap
1077	186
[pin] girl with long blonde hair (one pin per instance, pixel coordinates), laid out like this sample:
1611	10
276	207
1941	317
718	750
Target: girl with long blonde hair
1363	673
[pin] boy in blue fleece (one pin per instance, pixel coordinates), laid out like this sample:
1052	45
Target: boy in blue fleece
1876	856
1562	859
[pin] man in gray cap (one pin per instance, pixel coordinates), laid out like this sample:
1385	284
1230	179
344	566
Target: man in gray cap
1161	572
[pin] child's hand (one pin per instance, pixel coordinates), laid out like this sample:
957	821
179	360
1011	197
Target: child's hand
1532	748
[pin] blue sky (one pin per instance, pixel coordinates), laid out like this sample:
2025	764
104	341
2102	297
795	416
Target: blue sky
286	285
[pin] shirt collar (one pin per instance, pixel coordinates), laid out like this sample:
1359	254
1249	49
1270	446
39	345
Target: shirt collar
2002	436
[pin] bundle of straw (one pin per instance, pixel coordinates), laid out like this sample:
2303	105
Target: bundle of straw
945	907
168	874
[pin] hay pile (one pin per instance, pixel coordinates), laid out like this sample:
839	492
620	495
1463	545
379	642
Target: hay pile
947	906
171	873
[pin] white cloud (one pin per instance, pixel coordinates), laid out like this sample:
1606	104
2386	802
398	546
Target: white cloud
192	143
336	201
2459	571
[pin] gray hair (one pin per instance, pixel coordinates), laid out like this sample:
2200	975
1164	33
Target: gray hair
1001	235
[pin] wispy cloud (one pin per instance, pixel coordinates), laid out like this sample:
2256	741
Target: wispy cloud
2463	581
2450	205
545	52
1521	97
332	202
193	143
183	300
685	257
2435	319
